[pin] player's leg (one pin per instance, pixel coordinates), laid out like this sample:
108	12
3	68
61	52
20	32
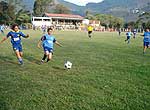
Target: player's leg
20	50
18	53
119	33
128	40
49	56
2	32
44	57
144	50
19	57
144	47
90	34
45	54
21	54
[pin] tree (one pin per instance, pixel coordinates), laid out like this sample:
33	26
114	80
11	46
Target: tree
109	21
61	9
89	16
148	24
41	6
7	12
23	17
143	21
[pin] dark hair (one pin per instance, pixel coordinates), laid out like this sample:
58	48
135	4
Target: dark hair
13	26
49	29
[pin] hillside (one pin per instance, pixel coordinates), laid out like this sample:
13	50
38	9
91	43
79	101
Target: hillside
119	8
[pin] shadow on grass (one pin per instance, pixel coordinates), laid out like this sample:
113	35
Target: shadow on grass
4	105
58	68
32	59
7	59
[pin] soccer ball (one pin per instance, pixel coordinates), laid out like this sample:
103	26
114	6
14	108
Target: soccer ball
68	64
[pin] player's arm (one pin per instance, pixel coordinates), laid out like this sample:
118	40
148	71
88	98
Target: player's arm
57	43
27	36
143	35
23	35
5	38
39	44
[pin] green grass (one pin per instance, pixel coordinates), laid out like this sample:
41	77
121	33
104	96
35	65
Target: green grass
107	74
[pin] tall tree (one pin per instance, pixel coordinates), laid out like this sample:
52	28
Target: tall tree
61	9
110	21
7	11
23	17
143	21
41	6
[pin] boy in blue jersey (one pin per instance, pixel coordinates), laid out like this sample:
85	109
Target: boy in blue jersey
146	40
15	36
48	41
128	34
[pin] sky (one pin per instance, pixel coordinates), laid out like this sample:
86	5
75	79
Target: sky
83	2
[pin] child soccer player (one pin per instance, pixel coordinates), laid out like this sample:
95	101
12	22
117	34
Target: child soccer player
90	29
134	33
119	32
146	40
48	41
15	36
128	34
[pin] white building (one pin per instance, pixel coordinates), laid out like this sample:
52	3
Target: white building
41	21
50	19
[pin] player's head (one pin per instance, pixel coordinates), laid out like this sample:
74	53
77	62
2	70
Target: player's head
147	29
129	29
49	30
15	27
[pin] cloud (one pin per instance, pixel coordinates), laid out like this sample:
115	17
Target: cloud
83	2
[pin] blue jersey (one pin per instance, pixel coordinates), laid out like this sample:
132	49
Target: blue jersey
129	34
15	37
146	37
48	41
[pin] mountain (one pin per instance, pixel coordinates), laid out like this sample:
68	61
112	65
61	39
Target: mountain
73	7
119	8
28	4
127	9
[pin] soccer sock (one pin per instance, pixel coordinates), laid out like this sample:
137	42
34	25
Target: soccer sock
20	60
128	41
48	60
44	57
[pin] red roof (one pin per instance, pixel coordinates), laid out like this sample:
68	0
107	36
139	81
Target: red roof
63	15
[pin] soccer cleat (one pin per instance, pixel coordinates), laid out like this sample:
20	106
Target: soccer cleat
21	63
42	61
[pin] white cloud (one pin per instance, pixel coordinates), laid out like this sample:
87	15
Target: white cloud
83	2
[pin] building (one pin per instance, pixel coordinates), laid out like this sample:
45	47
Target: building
64	18
58	20
41	21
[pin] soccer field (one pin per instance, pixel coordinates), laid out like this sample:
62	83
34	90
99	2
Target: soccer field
107	74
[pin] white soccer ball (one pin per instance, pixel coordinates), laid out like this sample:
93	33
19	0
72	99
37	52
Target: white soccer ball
68	65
